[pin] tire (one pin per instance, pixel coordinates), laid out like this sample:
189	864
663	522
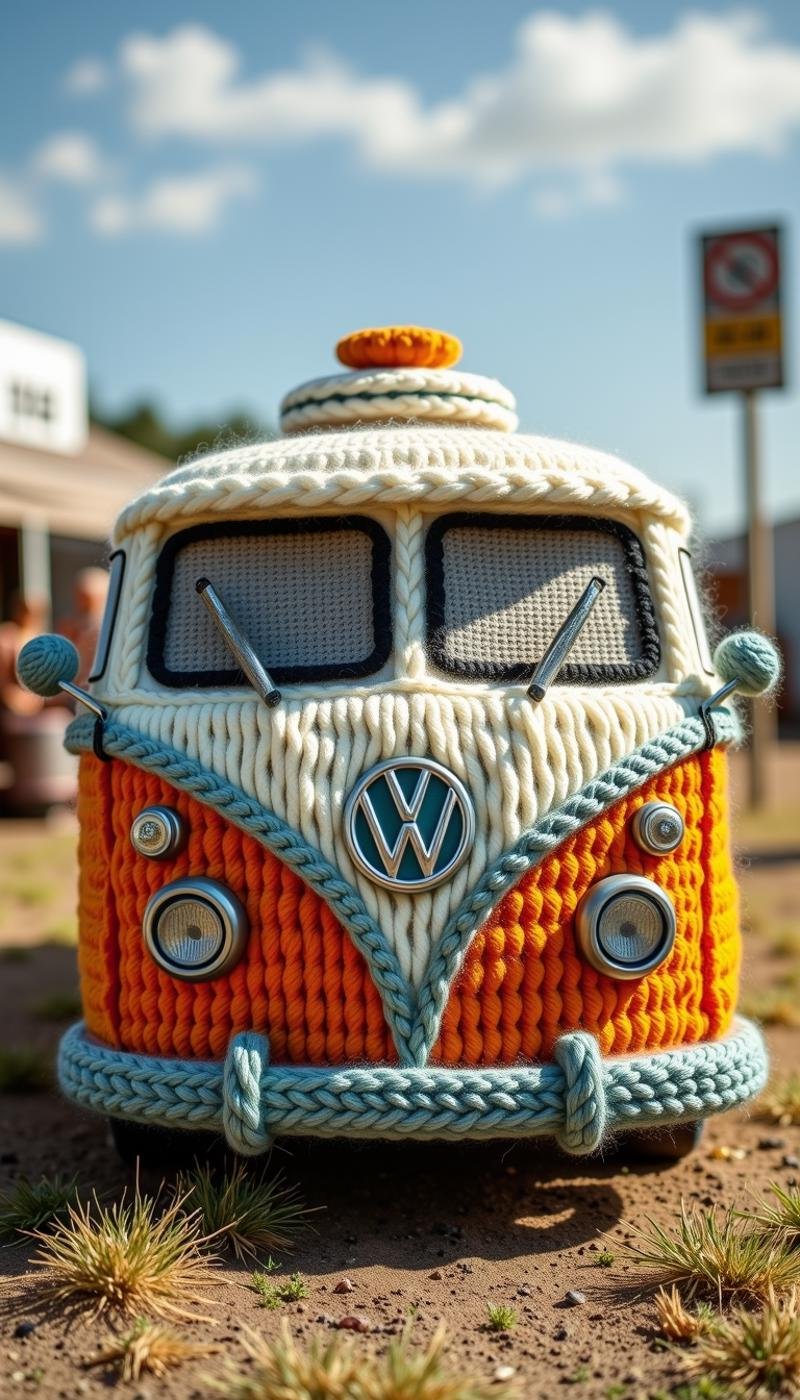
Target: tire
670	1144
163	1149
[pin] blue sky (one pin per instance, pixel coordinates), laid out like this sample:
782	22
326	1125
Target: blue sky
206	196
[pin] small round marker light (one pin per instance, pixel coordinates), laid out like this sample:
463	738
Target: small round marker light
658	828
195	929
158	832
625	926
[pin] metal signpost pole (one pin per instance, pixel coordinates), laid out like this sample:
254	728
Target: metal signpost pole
760	594
743	352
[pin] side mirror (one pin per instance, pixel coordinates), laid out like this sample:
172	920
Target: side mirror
749	662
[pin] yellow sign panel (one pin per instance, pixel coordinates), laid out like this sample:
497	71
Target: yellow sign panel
740	335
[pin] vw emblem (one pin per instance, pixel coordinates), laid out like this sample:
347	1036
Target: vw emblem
409	824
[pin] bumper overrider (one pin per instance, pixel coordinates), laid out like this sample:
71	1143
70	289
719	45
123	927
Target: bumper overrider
580	1098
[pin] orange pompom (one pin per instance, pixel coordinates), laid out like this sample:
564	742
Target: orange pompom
395	347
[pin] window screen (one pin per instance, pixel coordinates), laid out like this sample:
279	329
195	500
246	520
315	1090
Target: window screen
312	596
499	587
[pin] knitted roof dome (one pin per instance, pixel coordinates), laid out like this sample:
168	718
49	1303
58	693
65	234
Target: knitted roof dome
443	437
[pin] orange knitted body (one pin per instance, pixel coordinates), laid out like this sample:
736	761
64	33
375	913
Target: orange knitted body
305	985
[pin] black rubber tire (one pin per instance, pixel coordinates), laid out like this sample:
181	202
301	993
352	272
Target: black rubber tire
669	1144
163	1149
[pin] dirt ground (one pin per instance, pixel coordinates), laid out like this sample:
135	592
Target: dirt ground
423	1232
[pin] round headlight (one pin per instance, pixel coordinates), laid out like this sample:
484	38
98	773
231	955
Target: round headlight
625	926
657	828
195	928
158	832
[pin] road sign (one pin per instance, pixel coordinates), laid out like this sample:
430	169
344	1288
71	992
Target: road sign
43	400
742	327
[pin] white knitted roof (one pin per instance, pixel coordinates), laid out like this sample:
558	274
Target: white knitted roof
392	465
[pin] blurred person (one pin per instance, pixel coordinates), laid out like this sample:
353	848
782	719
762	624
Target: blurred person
28	619
34	776
82	626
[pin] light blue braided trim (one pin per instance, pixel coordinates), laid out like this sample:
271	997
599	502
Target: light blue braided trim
578	1098
414	1019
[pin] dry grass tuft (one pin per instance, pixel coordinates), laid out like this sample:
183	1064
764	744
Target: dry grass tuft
245	1211
717	1254
150	1347
781	1102
676	1322
335	1370
753	1354
127	1258
781	1221
31	1205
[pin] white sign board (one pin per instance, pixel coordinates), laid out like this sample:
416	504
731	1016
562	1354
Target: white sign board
43	397
742	324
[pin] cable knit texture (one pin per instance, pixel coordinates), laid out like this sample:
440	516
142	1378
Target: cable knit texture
579	1097
321	981
386	467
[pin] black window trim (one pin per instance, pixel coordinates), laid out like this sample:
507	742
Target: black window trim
109	622
572	673
380	580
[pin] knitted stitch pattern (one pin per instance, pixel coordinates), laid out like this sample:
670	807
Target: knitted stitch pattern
305	984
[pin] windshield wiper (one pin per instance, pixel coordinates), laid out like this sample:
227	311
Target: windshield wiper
564	640
238	644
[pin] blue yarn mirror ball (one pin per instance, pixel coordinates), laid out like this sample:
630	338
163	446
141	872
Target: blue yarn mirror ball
45	661
752	659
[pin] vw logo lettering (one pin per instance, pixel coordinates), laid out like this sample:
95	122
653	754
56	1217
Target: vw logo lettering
409	824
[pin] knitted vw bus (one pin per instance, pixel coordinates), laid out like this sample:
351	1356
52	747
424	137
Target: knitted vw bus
403	785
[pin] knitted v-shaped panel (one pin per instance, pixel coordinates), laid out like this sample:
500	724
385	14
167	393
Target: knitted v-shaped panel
305	985
518	762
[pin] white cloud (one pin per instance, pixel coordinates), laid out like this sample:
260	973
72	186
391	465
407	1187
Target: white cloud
183	204
20	221
86	77
599	188
582	95
70	157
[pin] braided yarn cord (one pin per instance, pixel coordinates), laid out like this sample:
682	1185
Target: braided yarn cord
579	1097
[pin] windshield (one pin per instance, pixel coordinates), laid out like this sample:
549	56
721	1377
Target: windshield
311	595
500	586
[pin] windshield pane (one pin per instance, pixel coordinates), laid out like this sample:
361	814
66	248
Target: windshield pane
312	597
500	586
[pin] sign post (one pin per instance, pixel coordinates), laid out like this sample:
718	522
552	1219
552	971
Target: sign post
743	351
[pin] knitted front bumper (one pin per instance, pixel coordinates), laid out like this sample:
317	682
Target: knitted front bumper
580	1098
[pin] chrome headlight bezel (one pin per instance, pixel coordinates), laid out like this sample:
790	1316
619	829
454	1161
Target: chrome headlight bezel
588	925
227	909
645	827
168	837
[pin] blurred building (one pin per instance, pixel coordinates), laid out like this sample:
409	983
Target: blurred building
62	480
726	561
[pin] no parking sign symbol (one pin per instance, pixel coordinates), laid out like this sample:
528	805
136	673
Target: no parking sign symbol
742	331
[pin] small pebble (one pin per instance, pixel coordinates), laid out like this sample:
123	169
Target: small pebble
771	1144
790	1160
325	1319
560	1334
345	1285
24	1329
436	1275
355	1322
574	1298
503	1373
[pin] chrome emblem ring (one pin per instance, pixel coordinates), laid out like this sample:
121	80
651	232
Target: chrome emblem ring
409	824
